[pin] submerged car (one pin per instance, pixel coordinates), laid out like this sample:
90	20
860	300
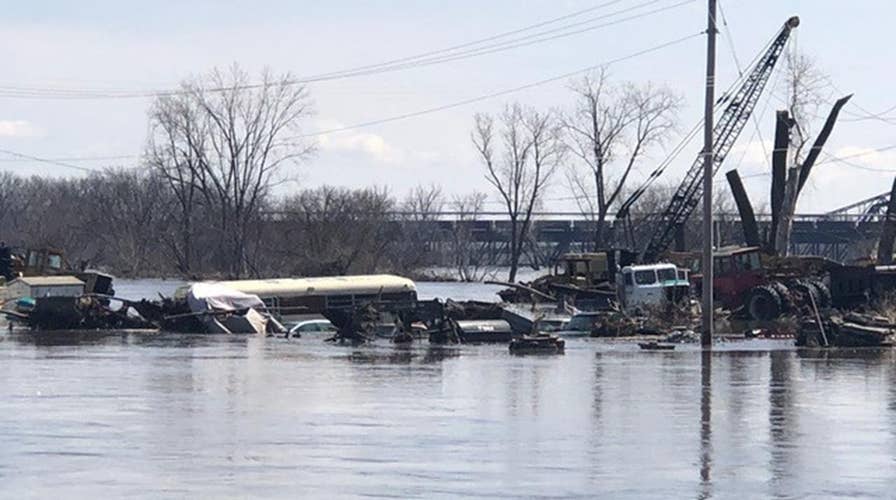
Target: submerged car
312	326
582	324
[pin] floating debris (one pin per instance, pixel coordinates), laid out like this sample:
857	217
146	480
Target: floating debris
537	344
656	346
682	337
851	330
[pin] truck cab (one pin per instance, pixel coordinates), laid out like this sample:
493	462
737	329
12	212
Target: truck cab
651	285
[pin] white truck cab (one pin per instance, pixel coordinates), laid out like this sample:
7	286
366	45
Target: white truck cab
650	285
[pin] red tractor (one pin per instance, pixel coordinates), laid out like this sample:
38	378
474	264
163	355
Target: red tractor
762	287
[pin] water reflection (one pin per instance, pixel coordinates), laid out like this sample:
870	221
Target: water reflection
203	416
705	424
781	420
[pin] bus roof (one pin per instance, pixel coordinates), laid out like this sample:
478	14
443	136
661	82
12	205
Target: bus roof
335	285
650	267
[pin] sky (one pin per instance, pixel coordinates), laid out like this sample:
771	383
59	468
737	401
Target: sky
154	45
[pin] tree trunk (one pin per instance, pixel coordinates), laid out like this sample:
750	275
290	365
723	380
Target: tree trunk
779	172
744	208
788	206
821	140
514	251
600	228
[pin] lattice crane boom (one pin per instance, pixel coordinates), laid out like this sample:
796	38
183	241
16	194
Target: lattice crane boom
740	106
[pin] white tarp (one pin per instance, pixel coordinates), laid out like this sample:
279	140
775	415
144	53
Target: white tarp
247	309
204	297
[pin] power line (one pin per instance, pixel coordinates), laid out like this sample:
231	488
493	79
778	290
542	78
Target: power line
384	63
505	45
869	115
79	158
501	92
740	72
46	160
62	162
394	65
843	159
659	170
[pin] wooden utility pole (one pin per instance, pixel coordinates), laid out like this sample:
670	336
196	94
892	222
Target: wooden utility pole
708	160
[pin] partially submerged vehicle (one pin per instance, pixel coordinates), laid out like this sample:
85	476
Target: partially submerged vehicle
312	326
585	279
222	309
541	317
601	280
288	299
69	302
582	324
651	285
763	287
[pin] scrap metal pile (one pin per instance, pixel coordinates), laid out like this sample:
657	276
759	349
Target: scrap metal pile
849	330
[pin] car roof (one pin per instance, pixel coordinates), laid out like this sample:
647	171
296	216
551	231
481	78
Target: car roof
308	321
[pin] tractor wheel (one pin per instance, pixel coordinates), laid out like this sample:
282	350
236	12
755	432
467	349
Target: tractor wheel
784	293
823	295
802	291
763	303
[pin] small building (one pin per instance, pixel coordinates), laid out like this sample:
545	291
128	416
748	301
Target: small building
45	286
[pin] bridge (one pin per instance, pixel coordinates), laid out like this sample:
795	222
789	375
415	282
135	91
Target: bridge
837	236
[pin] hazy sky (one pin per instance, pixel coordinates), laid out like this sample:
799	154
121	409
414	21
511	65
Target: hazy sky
149	45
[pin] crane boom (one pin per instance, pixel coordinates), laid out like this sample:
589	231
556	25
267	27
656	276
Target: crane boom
729	126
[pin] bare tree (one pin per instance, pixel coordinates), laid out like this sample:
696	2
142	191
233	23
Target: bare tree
331	230
807	90
467	254
420	230
10	206
531	150
610	129
227	140
122	213
176	143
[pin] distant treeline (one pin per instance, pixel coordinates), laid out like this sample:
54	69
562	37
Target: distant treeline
131	223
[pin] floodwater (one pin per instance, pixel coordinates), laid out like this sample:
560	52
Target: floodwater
168	416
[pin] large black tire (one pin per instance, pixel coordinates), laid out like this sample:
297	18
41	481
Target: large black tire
763	303
787	302
823	293
804	293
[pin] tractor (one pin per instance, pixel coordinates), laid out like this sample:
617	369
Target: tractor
763	287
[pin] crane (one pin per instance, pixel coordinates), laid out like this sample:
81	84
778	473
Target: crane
738	108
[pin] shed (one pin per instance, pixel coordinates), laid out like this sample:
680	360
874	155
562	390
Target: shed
45	286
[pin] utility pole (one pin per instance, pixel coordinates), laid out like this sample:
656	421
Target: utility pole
708	159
